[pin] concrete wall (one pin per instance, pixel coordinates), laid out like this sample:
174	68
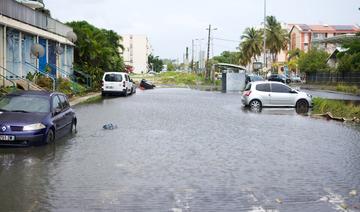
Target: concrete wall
235	82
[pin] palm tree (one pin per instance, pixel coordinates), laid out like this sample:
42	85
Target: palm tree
251	45
277	38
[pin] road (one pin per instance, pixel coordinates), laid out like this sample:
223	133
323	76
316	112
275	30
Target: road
186	150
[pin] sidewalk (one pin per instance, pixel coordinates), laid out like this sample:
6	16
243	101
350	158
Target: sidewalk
77	100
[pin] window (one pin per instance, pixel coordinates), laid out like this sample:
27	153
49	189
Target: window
263	87
25	103
56	103
113	78
64	102
279	88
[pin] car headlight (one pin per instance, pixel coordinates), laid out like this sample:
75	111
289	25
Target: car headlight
309	95
37	126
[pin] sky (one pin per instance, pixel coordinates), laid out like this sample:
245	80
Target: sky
172	25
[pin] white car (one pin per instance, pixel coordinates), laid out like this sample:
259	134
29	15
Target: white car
274	94
116	83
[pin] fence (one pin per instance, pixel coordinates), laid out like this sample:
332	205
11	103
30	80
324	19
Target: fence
329	77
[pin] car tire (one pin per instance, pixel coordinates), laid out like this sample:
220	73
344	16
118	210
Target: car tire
50	137
125	93
302	106
255	105
73	128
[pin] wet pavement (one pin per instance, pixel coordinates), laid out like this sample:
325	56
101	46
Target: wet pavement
186	150
332	95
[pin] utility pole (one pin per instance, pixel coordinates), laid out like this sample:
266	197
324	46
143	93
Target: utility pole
208	55
192	55
207	72
265	62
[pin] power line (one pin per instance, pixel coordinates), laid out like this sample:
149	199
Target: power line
229	40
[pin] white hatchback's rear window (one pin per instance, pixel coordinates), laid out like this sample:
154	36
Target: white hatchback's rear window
113	78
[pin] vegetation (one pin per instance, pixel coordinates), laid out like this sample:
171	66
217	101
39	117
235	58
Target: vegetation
277	38
228	57
96	50
155	63
348	88
337	108
251	45
313	61
349	60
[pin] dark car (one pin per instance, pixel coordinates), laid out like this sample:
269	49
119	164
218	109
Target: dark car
146	84
34	118
279	78
252	78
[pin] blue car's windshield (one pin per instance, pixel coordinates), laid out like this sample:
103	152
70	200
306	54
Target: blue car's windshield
25	104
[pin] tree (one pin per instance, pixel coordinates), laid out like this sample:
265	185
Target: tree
349	60
228	57
251	45
155	63
96	50
313	61
277	38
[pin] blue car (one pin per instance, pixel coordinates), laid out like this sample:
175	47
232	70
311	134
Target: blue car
34	118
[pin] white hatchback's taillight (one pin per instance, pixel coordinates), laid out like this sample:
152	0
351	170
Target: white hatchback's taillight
247	93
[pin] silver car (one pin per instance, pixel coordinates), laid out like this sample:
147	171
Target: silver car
274	94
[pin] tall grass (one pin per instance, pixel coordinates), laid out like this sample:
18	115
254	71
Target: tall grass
337	107
348	88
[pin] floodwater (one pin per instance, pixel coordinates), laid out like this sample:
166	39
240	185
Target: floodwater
187	150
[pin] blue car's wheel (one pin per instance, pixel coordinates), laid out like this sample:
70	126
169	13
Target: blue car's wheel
50	137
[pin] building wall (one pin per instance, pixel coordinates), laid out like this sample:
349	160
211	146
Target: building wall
15	50
136	51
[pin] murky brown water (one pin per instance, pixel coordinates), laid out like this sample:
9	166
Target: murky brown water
186	150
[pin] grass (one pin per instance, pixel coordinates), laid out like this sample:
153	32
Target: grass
337	108
92	100
177	79
348	88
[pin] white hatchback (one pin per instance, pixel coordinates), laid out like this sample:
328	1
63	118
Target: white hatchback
274	94
116	83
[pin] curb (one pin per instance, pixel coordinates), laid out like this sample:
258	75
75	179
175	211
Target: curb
78	100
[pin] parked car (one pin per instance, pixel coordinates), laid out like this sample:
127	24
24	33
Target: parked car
146	84
274	94
279	78
295	79
116	83
252	78
34	118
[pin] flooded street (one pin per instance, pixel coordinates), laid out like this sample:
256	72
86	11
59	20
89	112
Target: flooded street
187	150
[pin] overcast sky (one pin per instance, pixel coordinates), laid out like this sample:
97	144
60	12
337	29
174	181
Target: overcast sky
171	25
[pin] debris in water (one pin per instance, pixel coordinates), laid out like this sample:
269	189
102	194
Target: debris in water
278	200
344	206
353	193
109	126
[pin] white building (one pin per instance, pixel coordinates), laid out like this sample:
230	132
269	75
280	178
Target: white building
136	51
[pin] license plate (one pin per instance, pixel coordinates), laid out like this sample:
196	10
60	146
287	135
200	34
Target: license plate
7	138
109	87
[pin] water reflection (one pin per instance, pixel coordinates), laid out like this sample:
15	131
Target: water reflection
279	111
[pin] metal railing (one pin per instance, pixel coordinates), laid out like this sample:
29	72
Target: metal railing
4	86
44	74
18	78
70	77
86	77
